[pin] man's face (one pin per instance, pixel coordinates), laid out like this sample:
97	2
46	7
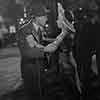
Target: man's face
42	20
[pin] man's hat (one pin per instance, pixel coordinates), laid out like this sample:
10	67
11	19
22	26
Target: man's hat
37	10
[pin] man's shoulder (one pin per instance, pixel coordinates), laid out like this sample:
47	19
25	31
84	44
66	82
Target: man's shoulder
27	25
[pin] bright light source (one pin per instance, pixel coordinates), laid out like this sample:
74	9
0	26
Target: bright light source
80	8
21	19
46	25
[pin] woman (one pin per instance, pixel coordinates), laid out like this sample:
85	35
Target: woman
67	65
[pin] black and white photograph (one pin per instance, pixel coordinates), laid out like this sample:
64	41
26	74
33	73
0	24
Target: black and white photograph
49	49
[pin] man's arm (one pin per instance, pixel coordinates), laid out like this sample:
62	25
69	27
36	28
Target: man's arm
52	47
48	39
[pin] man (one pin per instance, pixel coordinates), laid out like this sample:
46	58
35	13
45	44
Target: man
29	37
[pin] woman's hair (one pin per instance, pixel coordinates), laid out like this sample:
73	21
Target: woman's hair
69	15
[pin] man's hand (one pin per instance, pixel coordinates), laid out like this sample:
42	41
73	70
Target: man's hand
31	41
50	48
